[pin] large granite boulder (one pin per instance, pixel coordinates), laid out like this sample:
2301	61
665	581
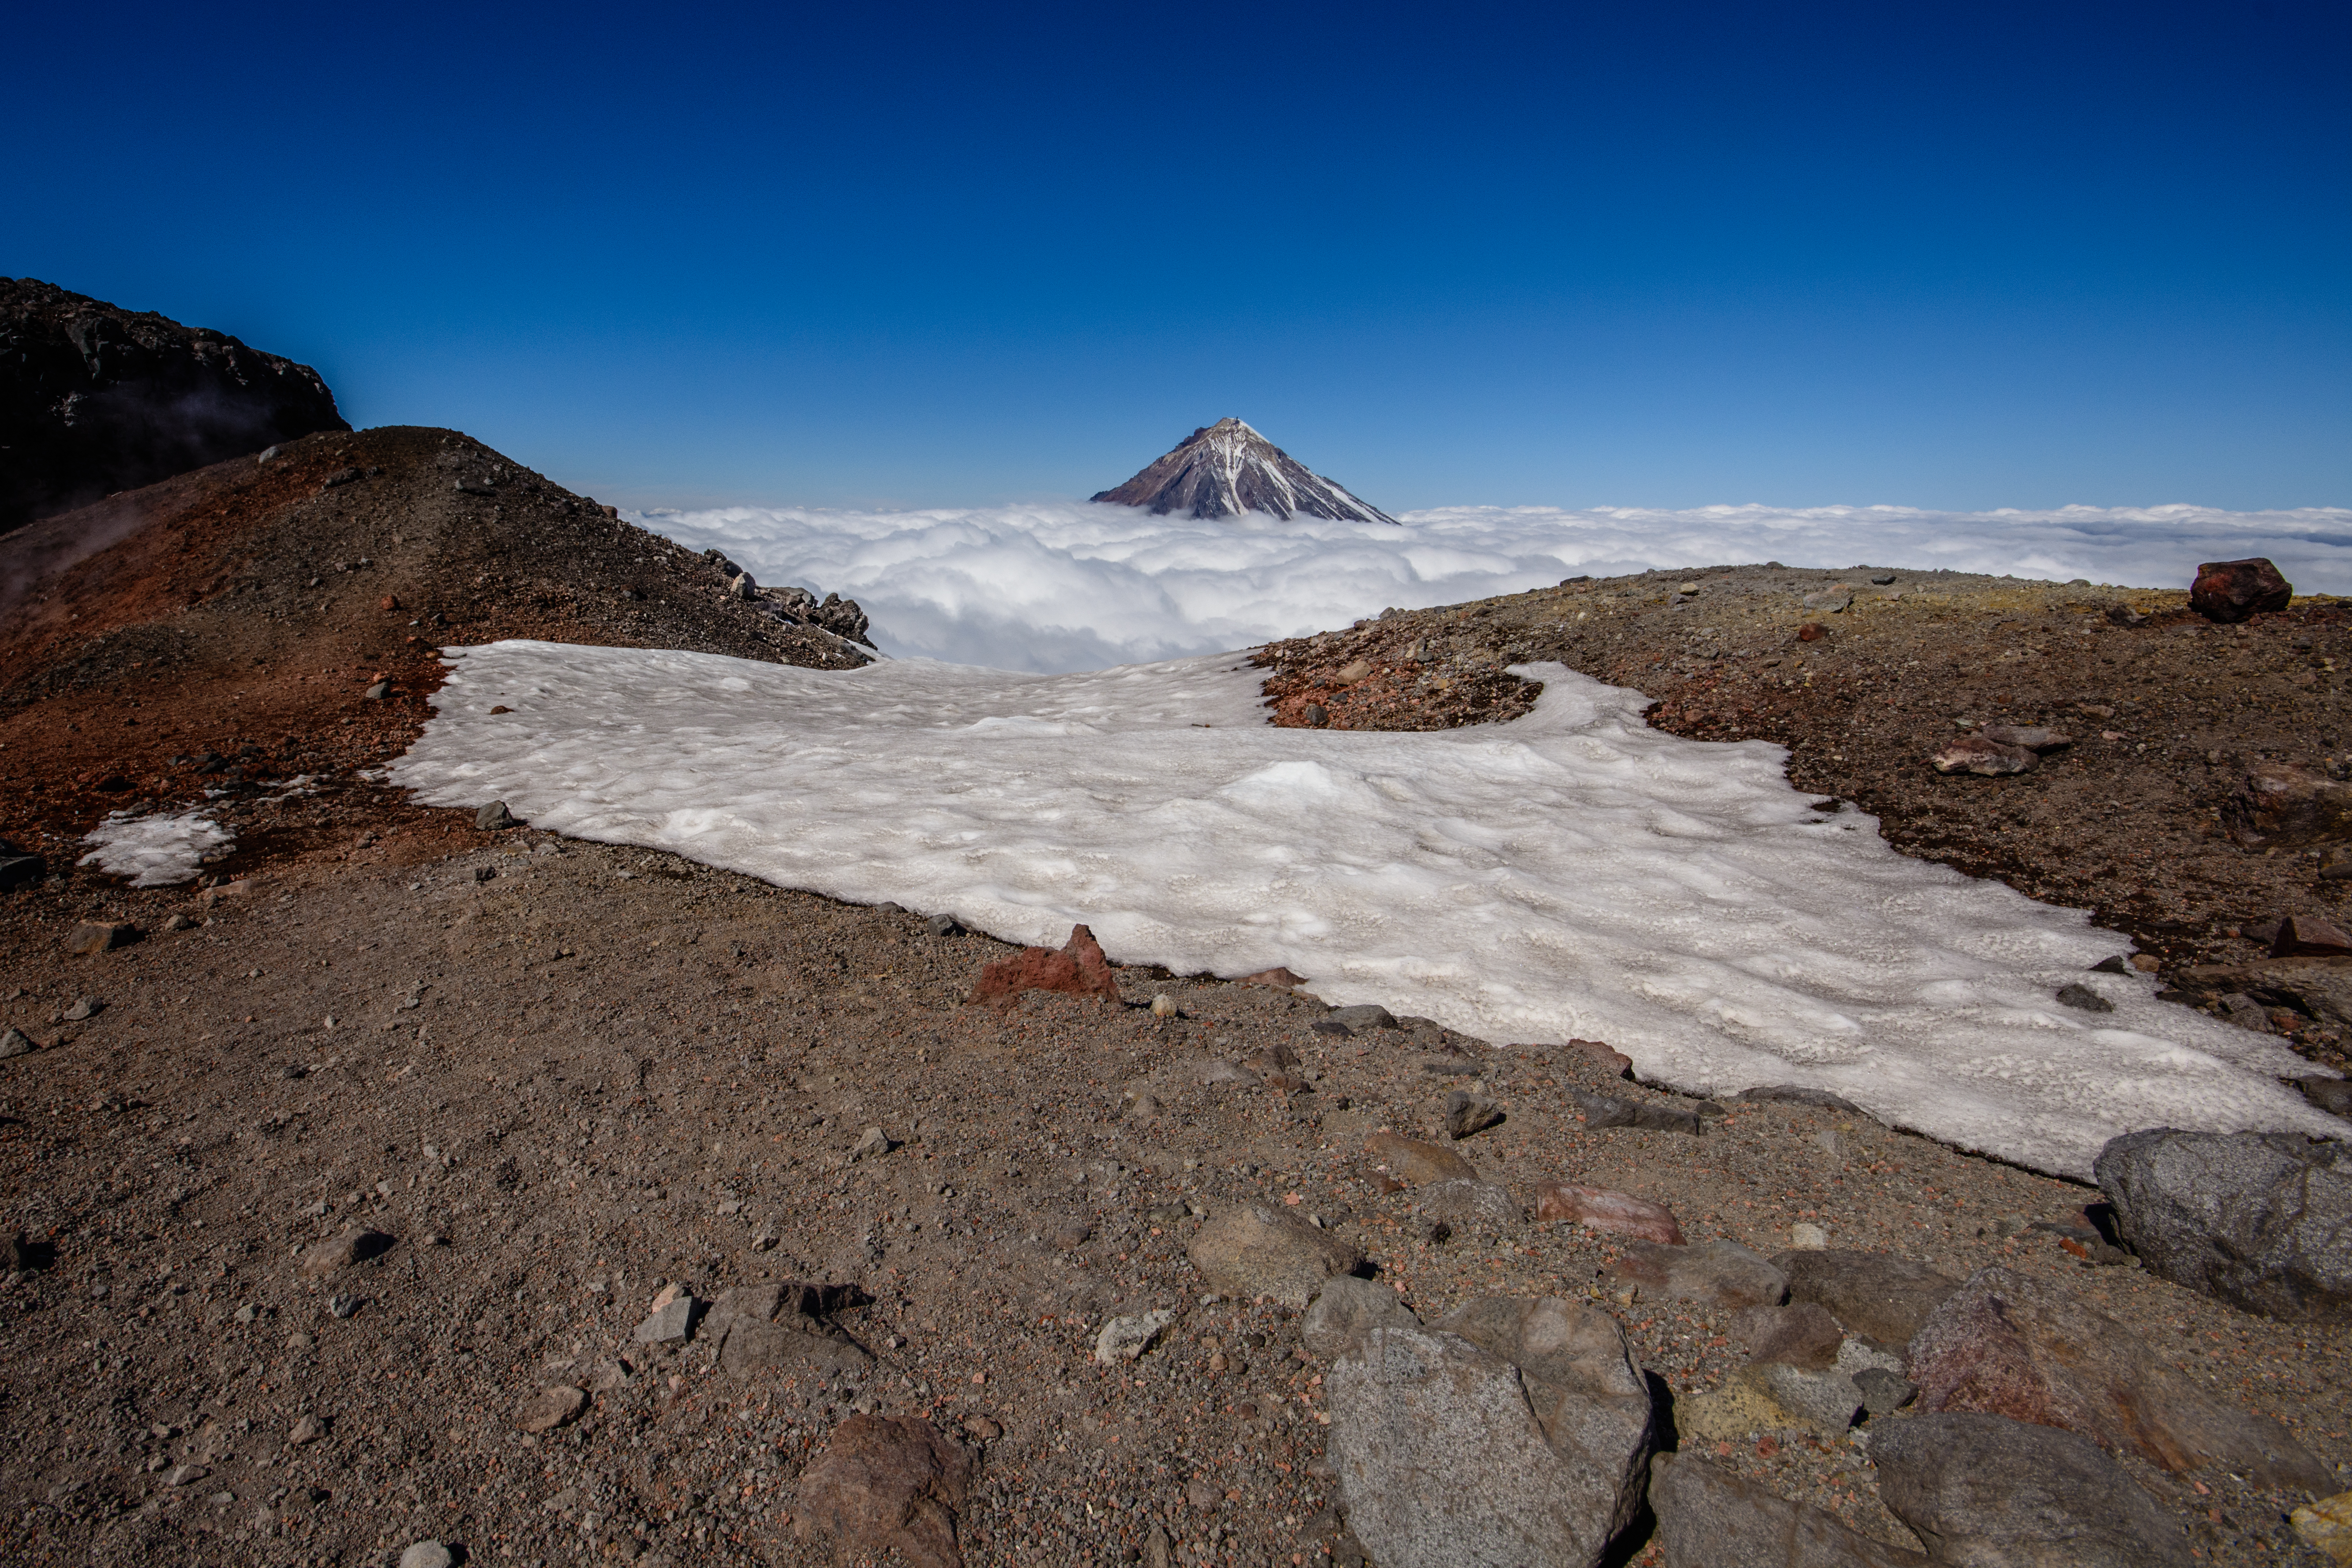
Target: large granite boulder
2016	1345
1523	1447
2263	1221
97	399
1985	1490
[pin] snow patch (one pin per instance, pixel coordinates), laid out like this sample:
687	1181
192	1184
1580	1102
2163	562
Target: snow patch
154	852
1572	874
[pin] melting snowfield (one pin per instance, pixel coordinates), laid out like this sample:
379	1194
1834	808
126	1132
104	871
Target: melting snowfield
1069	585
154	852
1573	874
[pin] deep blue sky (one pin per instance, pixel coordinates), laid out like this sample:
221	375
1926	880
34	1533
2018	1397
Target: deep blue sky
1967	256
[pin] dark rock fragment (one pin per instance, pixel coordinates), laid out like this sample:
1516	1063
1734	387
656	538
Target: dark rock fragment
2229	592
2083	997
1608	1110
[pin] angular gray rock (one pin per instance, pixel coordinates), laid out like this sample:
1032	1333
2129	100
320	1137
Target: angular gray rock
781	1326
1345	1310
2261	1221
1460	1202
1883	1391
1127	1337
1802	1334
673	1320
1259	1250
1875	1294
1363	1016
1588	1392
1447	1453
1995	1493
1467	1114
1227	469
1709	1518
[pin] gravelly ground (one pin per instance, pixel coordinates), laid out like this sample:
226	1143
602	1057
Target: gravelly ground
631	1066
629	1069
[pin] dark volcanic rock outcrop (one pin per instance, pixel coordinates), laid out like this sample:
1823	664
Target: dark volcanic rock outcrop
96	399
1227	469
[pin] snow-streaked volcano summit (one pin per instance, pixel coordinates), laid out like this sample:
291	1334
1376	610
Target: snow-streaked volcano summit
1227	469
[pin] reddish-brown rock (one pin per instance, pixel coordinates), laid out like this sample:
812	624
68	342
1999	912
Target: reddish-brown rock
100	937
2015	1345
1608	1059
1080	969
1601	1209
1417	1163
2308	936
1278	977
2285	807
2229	591
889	1482
1983	754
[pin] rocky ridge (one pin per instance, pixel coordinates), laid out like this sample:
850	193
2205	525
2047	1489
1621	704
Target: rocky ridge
277	615
97	399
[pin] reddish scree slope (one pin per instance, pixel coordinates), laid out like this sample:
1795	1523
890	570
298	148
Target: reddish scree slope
245	609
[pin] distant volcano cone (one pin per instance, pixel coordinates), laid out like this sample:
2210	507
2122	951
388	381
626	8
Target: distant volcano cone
1228	469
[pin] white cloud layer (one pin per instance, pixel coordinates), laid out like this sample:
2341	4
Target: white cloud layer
1071	586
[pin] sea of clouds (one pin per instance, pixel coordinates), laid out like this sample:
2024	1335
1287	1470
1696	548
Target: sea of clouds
1063	586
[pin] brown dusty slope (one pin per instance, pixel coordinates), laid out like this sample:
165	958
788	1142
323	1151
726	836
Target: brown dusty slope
559	1076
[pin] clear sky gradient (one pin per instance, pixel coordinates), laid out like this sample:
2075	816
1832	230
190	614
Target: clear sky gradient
1958	256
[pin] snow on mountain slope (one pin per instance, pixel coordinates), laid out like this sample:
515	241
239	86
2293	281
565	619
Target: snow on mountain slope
1571	874
1227	469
